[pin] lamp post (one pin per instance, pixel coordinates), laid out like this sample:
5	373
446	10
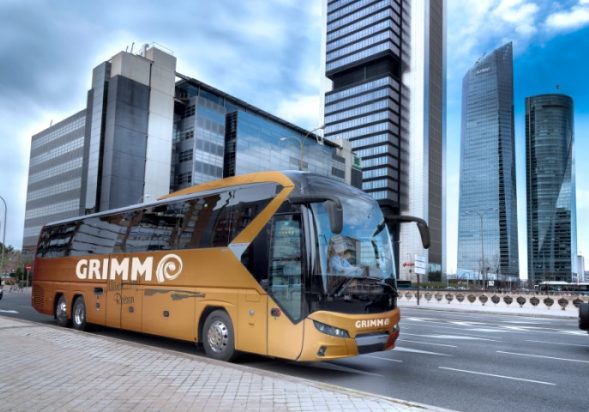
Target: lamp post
3	232
301	142
481	215
302	146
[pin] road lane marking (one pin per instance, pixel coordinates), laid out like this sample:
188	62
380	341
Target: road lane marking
542	357
428	343
386	359
341	368
8	311
443	326
423	352
449	337
497	376
560	344
574	332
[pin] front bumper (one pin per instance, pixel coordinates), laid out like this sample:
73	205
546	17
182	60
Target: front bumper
319	346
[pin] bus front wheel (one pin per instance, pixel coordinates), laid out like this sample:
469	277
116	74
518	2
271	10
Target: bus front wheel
79	314
217	337
61	311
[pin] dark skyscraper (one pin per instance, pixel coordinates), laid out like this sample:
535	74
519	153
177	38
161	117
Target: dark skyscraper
487	222
550	181
386	61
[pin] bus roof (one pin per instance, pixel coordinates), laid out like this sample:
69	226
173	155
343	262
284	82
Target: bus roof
246	179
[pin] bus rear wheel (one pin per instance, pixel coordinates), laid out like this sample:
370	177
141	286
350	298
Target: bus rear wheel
218	338
61	311
79	314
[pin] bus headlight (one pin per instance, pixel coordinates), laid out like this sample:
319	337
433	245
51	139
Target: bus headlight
331	330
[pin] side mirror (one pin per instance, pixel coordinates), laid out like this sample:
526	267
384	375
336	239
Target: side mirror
421	225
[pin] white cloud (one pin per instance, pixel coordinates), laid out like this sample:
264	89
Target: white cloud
301	110
576	17
520	14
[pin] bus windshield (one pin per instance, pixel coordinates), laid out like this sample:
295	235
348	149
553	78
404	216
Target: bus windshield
362	251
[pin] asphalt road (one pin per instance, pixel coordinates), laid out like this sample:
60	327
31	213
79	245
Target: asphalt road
456	360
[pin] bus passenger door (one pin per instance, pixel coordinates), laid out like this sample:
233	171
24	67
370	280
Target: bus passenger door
114	287
285	287
131	306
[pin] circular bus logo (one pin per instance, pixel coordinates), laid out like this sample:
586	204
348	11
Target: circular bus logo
169	268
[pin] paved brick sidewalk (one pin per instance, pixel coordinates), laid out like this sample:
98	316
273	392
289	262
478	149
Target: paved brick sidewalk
51	368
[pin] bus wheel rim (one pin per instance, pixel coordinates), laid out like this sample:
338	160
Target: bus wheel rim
61	310
218	336
79	315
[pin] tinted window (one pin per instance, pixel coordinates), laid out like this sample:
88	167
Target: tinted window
99	235
55	241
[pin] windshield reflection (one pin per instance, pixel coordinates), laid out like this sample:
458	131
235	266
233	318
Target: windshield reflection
361	251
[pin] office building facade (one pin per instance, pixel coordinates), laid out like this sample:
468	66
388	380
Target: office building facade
550	182
386	62
218	135
148	130
55	176
487	220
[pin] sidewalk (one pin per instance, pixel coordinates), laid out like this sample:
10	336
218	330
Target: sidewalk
51	368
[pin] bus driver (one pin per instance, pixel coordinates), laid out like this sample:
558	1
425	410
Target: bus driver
339	254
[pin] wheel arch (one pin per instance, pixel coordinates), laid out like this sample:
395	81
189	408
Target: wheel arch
208	309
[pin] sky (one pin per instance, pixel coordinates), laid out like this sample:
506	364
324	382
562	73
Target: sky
269	53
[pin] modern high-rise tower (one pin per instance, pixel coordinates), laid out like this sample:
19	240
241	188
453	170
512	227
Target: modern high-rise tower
550	182
386	61
487	221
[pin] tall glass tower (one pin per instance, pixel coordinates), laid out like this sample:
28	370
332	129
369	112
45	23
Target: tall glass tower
386	61
550	180
487	221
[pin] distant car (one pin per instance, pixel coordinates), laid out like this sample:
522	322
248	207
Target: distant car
584	316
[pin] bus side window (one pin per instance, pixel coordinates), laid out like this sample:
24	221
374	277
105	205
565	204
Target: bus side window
255	257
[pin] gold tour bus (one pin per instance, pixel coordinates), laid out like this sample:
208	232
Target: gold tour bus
283	264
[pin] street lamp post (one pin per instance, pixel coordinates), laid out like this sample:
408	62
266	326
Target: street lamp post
302	146
3	232
481	215
301	143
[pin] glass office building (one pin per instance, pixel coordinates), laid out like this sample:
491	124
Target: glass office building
550	181
55	176
487	220
218	135
386	61
148	130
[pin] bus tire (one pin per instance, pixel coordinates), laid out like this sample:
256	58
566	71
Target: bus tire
584	316
79	314
61	311
218	338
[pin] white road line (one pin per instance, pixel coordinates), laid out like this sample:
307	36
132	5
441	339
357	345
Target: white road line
542	357
428	343
442	326
450	337
386	359
8	311
341	368
554	343
423	352
498	376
